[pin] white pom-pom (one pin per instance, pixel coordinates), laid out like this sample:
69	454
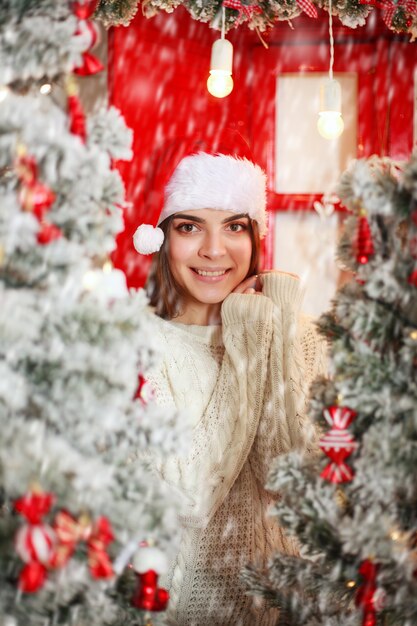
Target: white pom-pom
148	239
147	558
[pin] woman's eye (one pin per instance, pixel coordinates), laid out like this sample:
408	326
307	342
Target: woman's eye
187	228
237	227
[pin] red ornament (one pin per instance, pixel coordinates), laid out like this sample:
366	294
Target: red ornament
36	198
149	563
308	7
144	392
389	9
367	595
365	246
84	10
412	279
26	167
90	64
338	444
32	577
71	531
98	559
48	233
246	9
148	596
77	118
34	505
34	541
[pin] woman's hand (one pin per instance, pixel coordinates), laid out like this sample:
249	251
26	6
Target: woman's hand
253	284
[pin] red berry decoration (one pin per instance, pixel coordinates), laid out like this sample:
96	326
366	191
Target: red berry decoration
412	279
144	392
77	124
364	244
338	444
367	595
48	233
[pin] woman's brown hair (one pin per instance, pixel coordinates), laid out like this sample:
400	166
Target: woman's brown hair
164	292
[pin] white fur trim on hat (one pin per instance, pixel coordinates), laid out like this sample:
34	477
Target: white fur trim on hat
148	239
224	182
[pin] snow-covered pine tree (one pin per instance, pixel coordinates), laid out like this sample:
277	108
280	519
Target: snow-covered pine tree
72	432
358	537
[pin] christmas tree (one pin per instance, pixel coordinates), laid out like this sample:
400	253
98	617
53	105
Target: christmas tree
354	508
76	496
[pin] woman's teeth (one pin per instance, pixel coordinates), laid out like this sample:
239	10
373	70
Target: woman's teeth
204	273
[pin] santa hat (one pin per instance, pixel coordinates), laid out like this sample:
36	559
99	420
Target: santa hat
205	180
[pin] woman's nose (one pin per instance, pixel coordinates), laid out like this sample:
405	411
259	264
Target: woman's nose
213	245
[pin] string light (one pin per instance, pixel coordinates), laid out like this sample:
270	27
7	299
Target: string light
330	123
350	584
220	81
4	92
45	89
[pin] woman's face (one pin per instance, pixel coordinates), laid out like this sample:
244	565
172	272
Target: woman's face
209	253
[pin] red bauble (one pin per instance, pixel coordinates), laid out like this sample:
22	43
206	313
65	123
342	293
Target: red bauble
364	244
148	596
412	279
32	577
84	10
77	118
37	198
48	233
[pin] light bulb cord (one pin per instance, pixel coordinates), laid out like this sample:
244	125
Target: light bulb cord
223	21
331	41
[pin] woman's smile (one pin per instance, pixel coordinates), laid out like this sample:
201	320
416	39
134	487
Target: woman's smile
210	275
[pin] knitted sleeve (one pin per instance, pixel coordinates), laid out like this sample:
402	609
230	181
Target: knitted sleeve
297	356
223	437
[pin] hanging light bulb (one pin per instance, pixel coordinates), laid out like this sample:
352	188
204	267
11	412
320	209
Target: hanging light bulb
220	81
330	123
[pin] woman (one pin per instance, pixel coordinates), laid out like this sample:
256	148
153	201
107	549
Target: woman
239	359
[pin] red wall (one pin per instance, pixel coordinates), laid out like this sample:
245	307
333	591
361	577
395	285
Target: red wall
157	77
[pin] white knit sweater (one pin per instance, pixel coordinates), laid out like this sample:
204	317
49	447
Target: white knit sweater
245	383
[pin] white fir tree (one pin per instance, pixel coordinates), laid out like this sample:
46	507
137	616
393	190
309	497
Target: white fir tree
355	513
76	496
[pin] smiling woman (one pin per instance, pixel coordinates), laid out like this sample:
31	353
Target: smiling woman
238	359
186	264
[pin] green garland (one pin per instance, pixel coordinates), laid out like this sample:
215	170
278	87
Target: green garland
350	12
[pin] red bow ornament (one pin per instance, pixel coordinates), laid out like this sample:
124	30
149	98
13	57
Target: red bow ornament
389	9
98	559
34	541
71	531
368	596
244	9
149	563
308	7
86	28
34	196
338	444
